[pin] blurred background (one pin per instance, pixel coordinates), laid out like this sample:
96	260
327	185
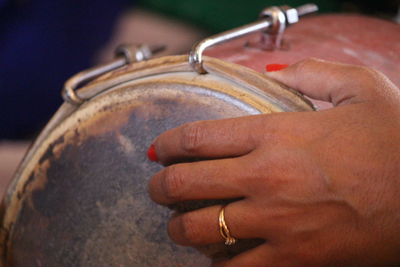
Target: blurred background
44	42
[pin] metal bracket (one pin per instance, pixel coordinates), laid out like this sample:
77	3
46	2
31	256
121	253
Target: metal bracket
125	54
273	21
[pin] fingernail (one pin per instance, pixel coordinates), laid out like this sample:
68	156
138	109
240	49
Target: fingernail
275	67
151	153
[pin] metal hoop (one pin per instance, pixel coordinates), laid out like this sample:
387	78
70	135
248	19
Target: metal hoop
125	54
273	20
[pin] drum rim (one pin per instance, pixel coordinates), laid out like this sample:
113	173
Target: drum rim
12	201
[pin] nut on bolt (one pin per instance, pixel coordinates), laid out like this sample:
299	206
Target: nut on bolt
291	14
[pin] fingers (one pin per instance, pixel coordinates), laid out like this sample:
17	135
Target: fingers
210	139
201	227
216	179
334	82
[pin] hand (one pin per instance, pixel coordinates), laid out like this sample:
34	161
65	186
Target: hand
322	188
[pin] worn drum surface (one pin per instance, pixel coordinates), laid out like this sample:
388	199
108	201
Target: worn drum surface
80	197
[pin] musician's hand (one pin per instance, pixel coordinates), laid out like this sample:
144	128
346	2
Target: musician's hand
322	188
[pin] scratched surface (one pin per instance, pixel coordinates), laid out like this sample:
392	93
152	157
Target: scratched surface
86	202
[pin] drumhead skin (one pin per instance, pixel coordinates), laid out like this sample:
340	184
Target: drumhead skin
80	196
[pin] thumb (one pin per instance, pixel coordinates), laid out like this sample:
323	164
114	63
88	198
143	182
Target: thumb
334	82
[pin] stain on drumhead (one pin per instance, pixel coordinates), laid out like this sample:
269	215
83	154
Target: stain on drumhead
86	203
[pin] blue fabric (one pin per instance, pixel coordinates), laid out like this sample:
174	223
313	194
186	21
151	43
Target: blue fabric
3	3
43	43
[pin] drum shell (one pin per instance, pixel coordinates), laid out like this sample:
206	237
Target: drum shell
352	39
329	37
79	197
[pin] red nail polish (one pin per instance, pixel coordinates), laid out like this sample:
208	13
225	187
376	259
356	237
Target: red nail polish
275	67
151	153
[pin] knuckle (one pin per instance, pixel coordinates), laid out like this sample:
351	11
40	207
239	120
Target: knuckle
191	137
365	74
302	68
190	229
368	78
303	64
173	183
364	71
311	60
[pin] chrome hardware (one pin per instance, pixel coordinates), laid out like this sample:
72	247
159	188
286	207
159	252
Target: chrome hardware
281	17
272	37
125	54
273	21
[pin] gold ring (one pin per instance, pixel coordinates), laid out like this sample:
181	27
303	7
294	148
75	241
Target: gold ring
224	230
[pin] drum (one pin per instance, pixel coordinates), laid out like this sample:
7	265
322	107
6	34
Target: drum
345	38
352	39
79	198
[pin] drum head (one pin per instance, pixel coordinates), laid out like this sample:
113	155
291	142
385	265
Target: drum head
80	196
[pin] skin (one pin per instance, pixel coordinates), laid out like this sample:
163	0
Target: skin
322	188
